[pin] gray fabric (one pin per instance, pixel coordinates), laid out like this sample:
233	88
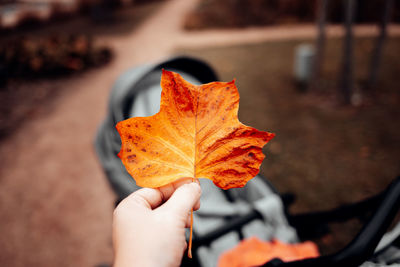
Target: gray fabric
386	254
108	141
389	255
214	205
372	264
388	238
143	83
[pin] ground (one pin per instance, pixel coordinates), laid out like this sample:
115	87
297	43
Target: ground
55	202
244	13
325	153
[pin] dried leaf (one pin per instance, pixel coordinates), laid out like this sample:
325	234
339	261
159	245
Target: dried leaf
254	252
196	133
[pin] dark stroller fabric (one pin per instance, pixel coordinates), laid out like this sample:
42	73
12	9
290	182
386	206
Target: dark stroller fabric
137	93
141	86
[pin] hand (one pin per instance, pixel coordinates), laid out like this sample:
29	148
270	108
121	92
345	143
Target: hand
149	225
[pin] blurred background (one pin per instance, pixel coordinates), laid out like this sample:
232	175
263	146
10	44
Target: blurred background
322	75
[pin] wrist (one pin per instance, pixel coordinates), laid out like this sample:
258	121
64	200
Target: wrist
130	259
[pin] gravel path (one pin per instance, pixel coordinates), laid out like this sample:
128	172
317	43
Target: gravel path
55	203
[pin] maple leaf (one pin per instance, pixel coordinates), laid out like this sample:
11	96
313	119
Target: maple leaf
254	252
196	134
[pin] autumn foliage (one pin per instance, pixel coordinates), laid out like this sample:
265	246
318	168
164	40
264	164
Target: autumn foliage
254	252
196	134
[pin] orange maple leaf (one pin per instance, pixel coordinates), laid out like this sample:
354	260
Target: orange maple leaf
254	252
196	134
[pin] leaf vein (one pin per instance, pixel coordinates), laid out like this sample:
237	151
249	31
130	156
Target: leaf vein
171	147
179	112
216	162
171	165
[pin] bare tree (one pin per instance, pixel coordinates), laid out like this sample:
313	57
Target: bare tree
320	43
377	53
346	76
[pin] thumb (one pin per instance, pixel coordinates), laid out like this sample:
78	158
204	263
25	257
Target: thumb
183	199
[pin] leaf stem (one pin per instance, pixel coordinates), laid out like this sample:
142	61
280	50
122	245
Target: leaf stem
191	235
194	177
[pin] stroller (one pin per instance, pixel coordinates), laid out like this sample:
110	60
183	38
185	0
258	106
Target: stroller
226	217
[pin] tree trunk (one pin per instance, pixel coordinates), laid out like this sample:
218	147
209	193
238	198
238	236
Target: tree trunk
346	79
377	53
320	43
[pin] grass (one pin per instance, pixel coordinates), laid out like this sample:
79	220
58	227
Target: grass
325	153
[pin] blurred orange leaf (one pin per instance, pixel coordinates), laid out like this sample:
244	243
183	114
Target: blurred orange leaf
196	134
254	252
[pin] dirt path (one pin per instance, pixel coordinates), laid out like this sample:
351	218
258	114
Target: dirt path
55	203
261	34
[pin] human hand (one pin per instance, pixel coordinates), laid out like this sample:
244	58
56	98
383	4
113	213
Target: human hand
149	225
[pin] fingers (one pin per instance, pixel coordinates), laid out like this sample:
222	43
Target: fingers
188	220
152	198
169	189
197	205
185	198
146	197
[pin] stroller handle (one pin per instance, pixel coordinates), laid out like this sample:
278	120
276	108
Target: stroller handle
362	247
